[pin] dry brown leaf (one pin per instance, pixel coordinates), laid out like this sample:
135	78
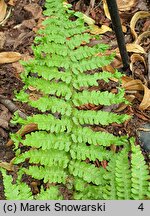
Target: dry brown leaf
34	9
88	20
7	166
132	47
138	15
135	48
136	57
3	8
123	5
126	5
133	85
109	68
122	106
34	97
106	11
146	99
117	62
31	88
26	129
141	36
126	79
8	57
100	30
11	2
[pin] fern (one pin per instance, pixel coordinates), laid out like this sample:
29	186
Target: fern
140	174
18	191
67	149
51	193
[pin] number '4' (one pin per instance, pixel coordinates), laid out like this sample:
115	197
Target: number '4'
141	207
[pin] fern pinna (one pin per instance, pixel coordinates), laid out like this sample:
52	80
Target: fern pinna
65	147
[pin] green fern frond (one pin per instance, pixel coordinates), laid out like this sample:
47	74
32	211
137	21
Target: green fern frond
18	191
85	80
57	158
123	176
60	89
86	52
47	122
95	117
95	97
91	63
44	103
48	174
110	189
50	74
87	171
83	135
51	193
140	173
44	140
81	152
85	191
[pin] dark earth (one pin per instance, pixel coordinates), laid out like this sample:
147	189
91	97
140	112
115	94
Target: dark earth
18	34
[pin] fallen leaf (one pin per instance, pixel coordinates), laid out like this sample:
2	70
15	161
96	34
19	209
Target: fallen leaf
34	97
8	57
34	9
106	10
138	15
132	47
136	57
117	62
146	99
99	30
22	39
31	88
141	36
109	68
131	84
136	48
122	106
30	23
11	2
7	166
3	8
88	20
26	129
126	5
19	68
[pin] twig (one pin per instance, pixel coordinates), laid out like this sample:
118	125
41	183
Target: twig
11	106
144	129
91	6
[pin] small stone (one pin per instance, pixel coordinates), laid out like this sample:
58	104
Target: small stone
144	136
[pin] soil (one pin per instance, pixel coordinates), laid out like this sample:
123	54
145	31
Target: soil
19	32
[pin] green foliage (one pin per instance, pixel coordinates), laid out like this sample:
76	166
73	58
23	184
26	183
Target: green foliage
72	146
18	191
51	193
140	174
